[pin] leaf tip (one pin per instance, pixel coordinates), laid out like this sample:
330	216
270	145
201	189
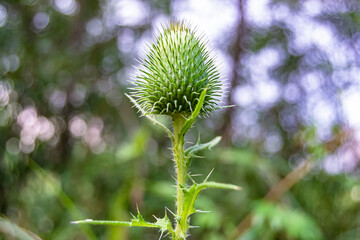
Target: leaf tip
237	188
82	221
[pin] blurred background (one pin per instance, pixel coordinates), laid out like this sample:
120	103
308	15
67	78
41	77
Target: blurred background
72	147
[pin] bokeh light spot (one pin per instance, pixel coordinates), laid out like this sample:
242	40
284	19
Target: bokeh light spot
5	90
77	126
12	146
14	63
291	93
3	15
128	12
273	142
58	99
27	117
41	20
67	7
94	27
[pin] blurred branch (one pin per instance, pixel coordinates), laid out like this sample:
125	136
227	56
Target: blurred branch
292	178
235	51
275	193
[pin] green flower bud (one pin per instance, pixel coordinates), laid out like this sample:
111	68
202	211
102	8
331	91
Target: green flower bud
175	72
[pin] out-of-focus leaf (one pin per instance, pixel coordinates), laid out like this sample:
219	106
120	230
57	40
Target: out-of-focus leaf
293	223
13	231
134	148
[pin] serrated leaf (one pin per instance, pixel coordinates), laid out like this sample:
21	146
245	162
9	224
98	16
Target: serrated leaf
164	224
139	218
189	200
190	152
133	223
152	119
191	193
190	121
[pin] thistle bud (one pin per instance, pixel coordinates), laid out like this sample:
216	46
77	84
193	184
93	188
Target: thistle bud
175	72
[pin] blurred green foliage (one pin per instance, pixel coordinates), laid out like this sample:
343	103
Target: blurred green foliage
72	147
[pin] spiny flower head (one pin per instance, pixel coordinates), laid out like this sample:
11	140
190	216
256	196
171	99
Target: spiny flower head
175	72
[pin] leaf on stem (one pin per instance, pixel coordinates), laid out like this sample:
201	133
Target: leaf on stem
164	224
152	119
228	186
190	152
190	121
191	193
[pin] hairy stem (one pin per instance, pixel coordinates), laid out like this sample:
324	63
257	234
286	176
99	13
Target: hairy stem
181	174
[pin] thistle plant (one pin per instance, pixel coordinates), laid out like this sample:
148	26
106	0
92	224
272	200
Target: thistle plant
178	78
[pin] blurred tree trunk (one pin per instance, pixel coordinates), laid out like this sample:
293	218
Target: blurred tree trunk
235	49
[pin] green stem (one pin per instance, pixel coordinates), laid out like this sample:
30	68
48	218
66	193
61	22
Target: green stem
181	175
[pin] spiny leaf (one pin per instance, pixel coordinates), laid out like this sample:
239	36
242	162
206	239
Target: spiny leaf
190	121
201	146
191	193
164	224
139	218
205	185
133	223
189	201
152	119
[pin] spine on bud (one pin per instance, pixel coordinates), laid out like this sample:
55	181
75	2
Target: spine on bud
175	72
